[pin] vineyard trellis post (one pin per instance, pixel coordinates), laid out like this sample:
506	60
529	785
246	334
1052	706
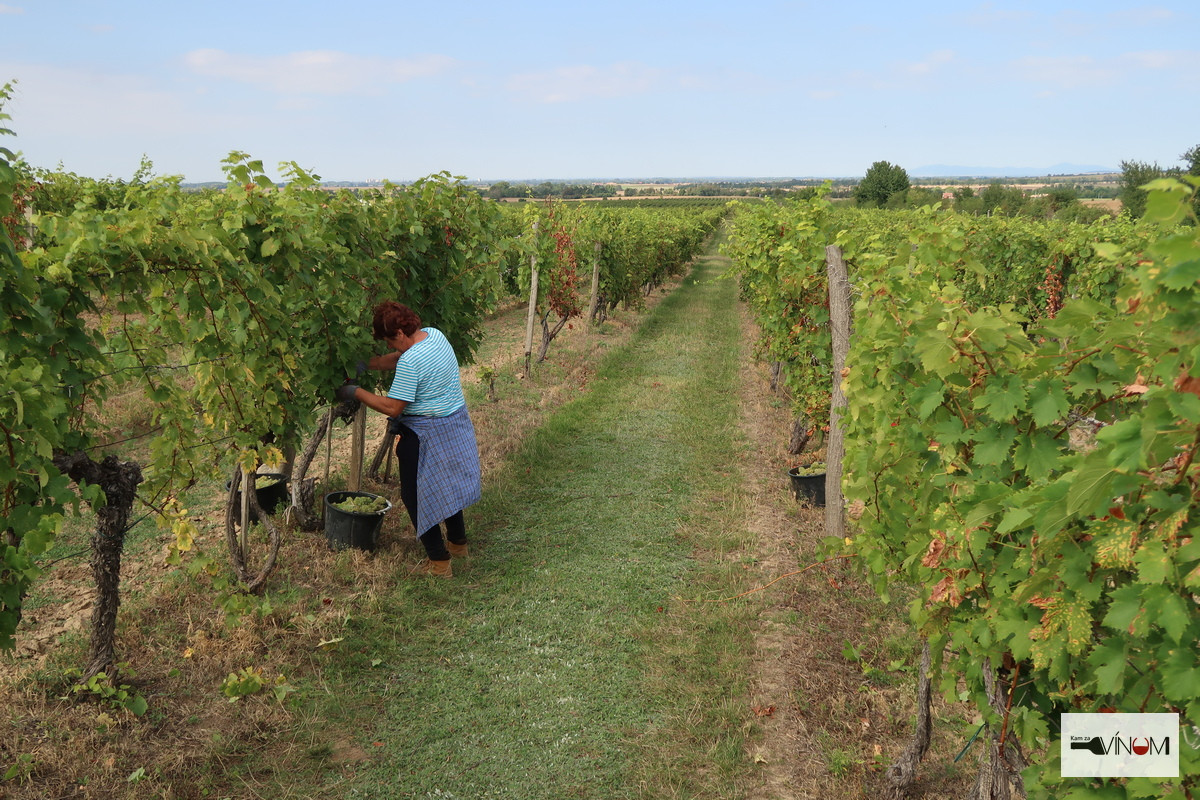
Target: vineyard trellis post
533	293
357	446
840	328
595	296
248	480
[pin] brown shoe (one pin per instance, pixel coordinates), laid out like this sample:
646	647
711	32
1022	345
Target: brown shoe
457	550
438	569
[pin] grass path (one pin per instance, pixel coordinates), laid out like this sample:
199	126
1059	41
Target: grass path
562	660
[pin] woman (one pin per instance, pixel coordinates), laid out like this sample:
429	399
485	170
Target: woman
439	459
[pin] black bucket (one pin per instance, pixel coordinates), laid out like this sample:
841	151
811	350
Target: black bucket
349	528
269	496
808	488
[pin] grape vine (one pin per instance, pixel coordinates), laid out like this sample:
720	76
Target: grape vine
1024	411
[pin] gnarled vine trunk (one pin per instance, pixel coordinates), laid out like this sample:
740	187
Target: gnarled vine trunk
1000	770
903	772
237	555
304	487
119	481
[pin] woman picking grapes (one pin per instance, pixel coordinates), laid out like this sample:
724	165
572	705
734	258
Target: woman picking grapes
436	448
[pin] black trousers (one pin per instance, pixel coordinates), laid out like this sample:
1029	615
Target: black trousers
408	453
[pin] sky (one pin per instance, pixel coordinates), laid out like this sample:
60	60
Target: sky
375	89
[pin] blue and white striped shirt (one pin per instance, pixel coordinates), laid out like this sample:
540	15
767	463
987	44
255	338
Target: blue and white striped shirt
427	378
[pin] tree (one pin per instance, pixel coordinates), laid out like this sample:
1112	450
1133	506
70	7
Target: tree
499	190
915	197
1000	199
1135	175
1192	157
966	201
881	182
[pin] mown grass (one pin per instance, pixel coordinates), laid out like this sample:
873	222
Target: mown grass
563	660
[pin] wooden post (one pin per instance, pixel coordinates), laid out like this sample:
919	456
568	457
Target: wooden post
595	286
30	230
247	482
533	293
357	446
835	448
328	449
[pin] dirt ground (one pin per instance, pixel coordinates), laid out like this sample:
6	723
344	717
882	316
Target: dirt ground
832	723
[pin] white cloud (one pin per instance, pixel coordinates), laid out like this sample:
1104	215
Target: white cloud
988	16
315	71
52	98
7	9
930	63
1067	72
571	84
1146	15
1181	61
1084	72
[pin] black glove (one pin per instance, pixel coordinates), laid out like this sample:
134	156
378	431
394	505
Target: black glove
360	368
346	391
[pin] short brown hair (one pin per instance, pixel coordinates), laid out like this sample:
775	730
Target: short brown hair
392	317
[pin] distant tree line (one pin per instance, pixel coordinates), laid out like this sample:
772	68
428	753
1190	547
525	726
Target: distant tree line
887	185
503	190
506	190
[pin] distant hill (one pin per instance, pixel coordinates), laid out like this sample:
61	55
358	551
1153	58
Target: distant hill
954	171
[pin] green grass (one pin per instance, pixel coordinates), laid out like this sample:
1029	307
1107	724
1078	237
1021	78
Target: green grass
563	659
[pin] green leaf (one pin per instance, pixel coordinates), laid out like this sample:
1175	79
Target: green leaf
1124	605
1124	441
137	705
1016	634
993	443
1185	406
1049	401
1153	563
1014	519
1091	486
937	352
1166	202
1037	454
1182	276
270	247
1174	617
1003	397
1108	666
1180	674
928	398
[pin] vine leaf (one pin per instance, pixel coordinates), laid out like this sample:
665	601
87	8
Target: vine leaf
1091	486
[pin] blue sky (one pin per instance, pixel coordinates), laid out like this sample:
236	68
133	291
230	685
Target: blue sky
361	89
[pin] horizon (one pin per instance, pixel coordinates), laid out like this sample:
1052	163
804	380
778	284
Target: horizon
677	180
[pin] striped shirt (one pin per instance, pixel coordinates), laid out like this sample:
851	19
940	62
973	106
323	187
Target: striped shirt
427	378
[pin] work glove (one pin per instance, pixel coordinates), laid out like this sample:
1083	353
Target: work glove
346	391
360	368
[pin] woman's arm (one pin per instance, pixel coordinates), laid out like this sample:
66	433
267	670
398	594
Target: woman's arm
384	362
384	405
